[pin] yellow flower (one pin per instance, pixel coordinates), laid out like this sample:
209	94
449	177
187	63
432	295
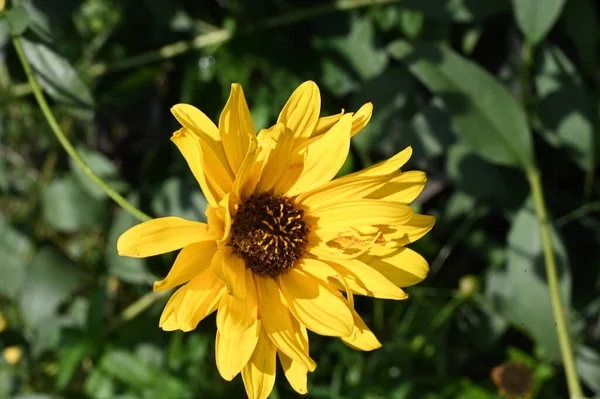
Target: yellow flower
283	239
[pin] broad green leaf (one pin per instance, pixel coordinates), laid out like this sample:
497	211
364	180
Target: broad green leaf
528	296
564	108
51	278
16	250
128	368
587	363
17	20
488	183
582	26
411	22
131	270
70	359
430	131
60	80
483	111
457	10
359	48
103	167
99	385
536	17
66	207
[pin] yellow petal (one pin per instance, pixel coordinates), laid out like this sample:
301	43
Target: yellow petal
195	120
340	190
248	174
356	213
362	338
282	328
277	144
323	157
361	279
189	146
219	219
315	304
199	298
325	123
162	235
236	128
233	351
218	175
235	315
404	188
190	262
295	373
231	270
403	266
168	318
259	373
411	231
301	112
361	118
383	168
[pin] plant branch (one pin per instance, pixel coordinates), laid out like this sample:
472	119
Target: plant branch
566	349
37	91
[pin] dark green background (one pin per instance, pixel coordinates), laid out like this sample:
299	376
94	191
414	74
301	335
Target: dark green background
451	78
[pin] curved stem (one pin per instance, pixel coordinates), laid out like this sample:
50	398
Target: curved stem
566	349
37	91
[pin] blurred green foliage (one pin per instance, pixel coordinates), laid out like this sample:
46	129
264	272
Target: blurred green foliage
476	87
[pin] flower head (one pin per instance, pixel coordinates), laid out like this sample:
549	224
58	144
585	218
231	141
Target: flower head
285	247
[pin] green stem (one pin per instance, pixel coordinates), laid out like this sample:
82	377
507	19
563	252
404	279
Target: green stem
566	349
136	308
37	91
527	54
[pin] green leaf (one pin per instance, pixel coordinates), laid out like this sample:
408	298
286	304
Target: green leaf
131	270
483	111
430	131
564	108
128	368
103	168
536	17
411	22
60	80
177	198
359	49
527	290
16	250
66	207
51	278
99	385
17	20
70	358
587	363
489	183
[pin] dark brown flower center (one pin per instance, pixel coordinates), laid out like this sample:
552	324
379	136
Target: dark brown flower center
269	233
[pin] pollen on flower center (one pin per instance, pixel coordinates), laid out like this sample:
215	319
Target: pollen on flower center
269	233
